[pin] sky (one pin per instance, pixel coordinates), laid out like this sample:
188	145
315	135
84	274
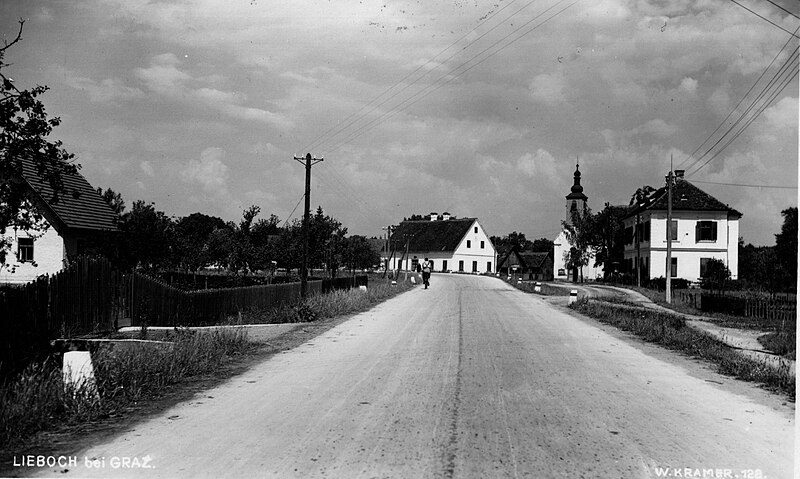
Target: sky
478	108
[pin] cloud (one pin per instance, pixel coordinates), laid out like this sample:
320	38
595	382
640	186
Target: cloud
110	90
147	168
210	172
164	77
547	88
541	164
688	85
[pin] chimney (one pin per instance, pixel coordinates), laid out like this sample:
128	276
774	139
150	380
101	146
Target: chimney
434	216
445	216
679	173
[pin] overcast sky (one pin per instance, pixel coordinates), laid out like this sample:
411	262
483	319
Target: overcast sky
478	108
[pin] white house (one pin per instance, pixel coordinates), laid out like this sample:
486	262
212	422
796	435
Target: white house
452	244
576	203
74	225
702	228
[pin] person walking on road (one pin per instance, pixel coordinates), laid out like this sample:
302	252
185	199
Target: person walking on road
426	273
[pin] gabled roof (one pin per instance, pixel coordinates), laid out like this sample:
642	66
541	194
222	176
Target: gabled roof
526	259
80	206
685	197
440	235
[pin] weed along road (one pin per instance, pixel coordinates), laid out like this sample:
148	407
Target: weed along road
470	378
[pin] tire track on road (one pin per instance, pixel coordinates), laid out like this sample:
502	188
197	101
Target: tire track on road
451	446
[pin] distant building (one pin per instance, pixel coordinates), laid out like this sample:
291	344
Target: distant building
576	203
452	244
527	265
75	222
703	228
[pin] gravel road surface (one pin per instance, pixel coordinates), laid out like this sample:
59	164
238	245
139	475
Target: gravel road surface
470	378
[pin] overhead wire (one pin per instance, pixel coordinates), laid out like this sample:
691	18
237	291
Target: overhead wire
788	66
787	11
746	185
438	83
764	72
347	121
765	19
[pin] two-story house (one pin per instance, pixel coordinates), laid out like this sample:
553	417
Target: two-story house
702	228
75	225
452	244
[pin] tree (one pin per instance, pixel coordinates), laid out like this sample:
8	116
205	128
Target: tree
146	237
715	275
786	246
113	199
641	194
192	237
542	245
609	247
24	132
512	241
359	253
581	235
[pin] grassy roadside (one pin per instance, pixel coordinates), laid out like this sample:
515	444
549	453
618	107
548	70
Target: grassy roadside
779	337
670	330
546	289
35	403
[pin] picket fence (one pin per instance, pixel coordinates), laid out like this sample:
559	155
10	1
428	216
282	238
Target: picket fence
777	308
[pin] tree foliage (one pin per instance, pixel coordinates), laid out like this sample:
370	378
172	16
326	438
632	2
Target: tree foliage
24	132
582	237
786	246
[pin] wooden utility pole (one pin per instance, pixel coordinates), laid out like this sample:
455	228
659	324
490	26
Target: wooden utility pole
669	234
308	161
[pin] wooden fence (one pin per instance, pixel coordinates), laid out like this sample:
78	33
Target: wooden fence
774	309
156	303
88	296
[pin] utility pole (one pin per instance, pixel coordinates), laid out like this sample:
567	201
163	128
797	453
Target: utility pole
669	233
308	161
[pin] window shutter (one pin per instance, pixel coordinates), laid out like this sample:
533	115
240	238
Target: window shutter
697	232
713	231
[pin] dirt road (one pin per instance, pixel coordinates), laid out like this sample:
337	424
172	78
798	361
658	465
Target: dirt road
470	378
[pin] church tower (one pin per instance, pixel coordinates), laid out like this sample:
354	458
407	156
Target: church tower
576	200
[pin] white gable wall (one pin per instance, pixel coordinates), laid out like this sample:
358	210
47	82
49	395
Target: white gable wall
48	254
475	253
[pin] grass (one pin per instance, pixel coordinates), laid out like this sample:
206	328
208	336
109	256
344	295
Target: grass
546	289
335	303
671	331
37	399
783	343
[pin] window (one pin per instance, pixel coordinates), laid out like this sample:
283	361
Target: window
469	243
629	235
474	266
461	265
476	229
673	231
482	244
488	266
706	231
444	265
704	266
646	235
25	249
674	269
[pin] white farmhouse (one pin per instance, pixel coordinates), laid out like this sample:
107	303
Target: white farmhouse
702	228
453	244
75	224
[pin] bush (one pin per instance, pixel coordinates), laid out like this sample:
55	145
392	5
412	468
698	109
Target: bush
660	284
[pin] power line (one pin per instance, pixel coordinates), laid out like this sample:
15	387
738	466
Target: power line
765	19
438	83
347	119
740	101
746	186
787	11
758	112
